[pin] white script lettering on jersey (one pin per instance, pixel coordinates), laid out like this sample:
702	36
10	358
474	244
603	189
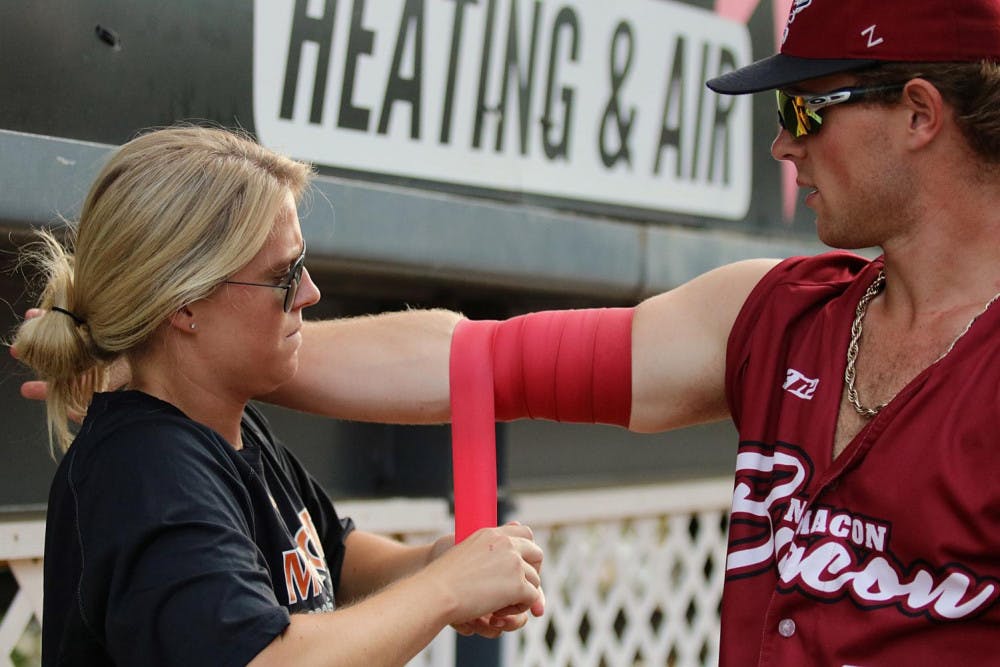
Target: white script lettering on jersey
832	552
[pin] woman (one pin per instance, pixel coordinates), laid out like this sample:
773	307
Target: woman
178	531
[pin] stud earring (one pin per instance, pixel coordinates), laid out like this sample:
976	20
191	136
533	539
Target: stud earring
193	325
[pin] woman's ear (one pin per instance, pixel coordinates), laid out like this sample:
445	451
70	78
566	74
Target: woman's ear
184	320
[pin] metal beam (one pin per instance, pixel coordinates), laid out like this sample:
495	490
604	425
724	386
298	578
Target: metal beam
393	230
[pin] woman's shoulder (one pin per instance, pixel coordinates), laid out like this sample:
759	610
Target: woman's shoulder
142	460
140	434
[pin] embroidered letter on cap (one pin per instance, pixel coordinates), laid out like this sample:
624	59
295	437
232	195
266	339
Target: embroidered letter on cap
870	33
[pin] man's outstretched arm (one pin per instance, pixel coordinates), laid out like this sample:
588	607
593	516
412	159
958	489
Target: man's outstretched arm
679	341
390	367
394	367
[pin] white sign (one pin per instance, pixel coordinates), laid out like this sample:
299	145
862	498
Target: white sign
584	100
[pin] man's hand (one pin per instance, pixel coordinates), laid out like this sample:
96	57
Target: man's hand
35	390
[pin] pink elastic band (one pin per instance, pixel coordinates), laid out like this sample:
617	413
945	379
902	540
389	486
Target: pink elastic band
565	365
568	365
473	435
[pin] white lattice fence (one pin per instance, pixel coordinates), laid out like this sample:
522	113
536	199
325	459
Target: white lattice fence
409	520
633	576
22	543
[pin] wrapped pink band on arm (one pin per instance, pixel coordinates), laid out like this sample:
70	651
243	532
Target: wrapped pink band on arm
566	365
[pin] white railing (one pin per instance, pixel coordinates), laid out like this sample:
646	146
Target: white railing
409	520
633	576
21	546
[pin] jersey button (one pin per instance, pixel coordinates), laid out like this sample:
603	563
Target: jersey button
786	627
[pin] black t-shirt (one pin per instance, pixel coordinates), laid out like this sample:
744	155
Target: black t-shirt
166	546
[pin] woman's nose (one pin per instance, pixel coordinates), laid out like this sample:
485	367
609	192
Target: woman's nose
308	294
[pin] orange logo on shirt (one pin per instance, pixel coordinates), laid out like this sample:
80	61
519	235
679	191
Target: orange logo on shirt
305	564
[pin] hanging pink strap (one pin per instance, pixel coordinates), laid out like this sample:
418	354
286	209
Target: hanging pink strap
473	434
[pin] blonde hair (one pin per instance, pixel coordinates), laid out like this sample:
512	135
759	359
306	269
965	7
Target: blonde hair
972	89
173	214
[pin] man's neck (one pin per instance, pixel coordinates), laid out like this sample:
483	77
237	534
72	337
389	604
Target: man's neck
948	258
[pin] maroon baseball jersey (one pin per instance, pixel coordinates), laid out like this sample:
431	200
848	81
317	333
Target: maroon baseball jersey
890	554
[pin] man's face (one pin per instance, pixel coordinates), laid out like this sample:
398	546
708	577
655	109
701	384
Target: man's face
853	170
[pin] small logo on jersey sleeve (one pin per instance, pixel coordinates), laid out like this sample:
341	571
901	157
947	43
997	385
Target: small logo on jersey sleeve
797	384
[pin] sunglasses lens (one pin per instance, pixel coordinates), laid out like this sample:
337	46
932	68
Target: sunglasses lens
786	115
794	116
293	284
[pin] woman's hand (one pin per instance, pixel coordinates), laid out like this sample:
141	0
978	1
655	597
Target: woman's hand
511	617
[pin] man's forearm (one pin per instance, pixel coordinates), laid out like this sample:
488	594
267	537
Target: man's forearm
391	367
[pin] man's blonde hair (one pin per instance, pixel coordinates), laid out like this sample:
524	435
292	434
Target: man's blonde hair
173	214
972	89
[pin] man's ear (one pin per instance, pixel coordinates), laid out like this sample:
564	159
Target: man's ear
926	111
184	320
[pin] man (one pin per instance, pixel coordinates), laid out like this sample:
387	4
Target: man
866	513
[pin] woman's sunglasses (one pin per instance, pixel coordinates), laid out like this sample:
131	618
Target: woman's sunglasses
291	285
800	115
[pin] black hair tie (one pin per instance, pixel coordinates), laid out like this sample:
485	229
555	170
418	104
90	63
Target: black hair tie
78	320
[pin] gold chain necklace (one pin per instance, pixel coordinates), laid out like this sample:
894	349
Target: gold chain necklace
856	328
852	349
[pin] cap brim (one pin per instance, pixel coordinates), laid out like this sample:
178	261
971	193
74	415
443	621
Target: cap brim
779	71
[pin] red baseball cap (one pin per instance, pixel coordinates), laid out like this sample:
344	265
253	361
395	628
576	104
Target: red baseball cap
828	36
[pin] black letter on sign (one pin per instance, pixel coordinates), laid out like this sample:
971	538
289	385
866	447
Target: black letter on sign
524	88
352	117
560	148
306	29
696	158
456	48
484	69
673	105
720	126
401	88
613	109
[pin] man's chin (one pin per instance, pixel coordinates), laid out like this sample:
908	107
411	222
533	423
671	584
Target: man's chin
839	239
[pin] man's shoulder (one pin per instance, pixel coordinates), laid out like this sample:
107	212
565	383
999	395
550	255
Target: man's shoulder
808	280
834	269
